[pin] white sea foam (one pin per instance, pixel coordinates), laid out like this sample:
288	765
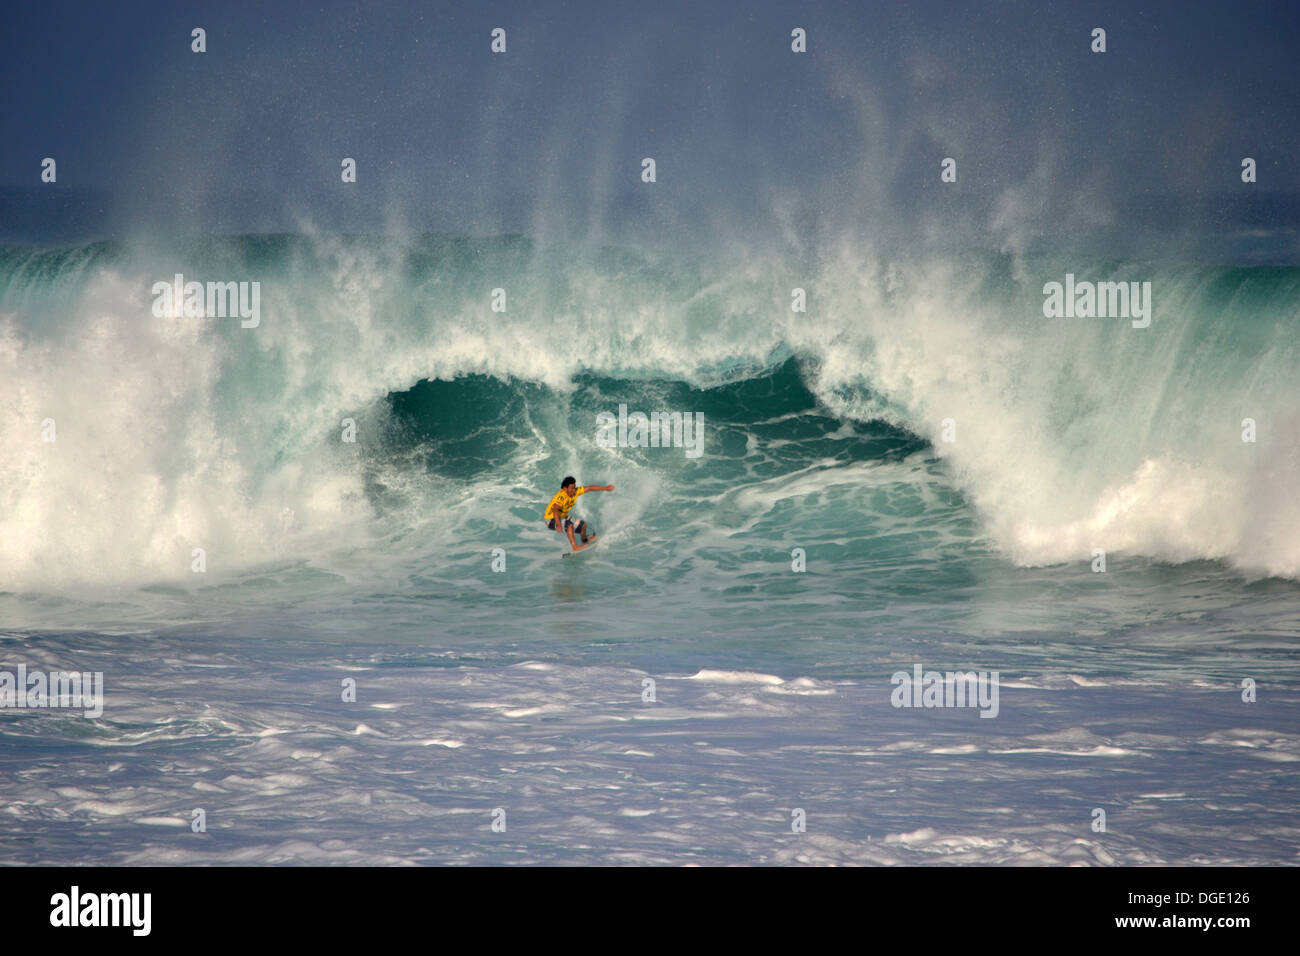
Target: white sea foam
704	778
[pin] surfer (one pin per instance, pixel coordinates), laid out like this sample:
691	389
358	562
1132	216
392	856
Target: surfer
557	517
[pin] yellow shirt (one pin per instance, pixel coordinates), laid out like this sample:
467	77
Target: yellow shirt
562	503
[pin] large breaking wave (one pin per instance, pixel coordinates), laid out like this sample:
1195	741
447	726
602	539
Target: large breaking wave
175	434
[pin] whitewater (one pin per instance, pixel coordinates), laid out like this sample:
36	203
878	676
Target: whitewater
921	468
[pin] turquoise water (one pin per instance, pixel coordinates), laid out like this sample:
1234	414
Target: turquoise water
826	442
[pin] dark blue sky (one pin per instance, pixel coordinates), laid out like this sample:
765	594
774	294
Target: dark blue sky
548	138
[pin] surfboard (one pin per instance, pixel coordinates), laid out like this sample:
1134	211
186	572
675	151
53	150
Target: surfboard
577	554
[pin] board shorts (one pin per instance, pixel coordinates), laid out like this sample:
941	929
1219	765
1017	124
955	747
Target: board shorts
570	522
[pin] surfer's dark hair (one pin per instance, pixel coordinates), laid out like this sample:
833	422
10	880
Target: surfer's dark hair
568	480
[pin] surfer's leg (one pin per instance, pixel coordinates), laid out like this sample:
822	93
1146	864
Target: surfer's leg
582	530
568	529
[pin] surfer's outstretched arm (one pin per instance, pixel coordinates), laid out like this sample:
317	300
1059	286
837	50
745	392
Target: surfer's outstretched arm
597	487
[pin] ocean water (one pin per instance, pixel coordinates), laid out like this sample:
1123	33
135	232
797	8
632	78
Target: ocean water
918	470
